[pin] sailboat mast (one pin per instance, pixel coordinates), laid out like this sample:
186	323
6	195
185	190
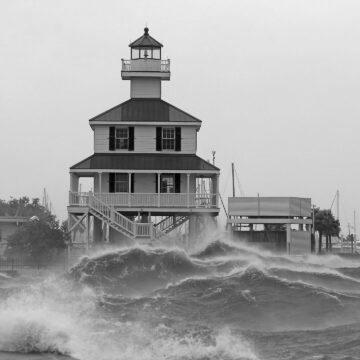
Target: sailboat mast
233	179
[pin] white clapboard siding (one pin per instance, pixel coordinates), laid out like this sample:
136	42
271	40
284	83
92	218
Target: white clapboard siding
188	139
145	139
145	183
145	88
101	139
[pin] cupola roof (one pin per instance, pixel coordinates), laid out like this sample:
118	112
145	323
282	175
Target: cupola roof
145	41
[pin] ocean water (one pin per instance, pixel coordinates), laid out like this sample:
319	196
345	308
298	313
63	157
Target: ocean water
224	301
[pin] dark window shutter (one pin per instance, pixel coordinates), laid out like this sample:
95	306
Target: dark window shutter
132	185
111	182
131	138
178	139
177	183
111	138
156	182
158	138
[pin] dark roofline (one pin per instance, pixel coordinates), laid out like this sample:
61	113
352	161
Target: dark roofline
181	110
106	111
159	155
146	36
123	103
78	163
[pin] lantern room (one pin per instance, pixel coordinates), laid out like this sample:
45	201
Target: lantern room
145	47
145	60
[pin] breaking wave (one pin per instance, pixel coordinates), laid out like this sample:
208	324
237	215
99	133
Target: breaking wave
226	301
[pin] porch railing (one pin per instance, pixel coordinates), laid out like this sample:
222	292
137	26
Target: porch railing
182	200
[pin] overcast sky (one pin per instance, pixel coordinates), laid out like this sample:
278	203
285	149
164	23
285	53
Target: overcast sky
276	84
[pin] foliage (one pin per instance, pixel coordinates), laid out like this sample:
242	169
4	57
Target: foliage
25	208
41	238
36	240
325	223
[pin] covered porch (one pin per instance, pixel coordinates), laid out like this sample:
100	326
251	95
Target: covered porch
137	181
136	189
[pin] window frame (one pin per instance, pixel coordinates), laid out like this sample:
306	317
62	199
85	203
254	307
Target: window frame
167	186
126	140
168	139
121	184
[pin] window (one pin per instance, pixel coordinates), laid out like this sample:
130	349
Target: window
134	53
167	184
168	138
121	182
145	53
122	138
156	54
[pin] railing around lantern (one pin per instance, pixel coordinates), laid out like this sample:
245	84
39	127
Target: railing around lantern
182	200
146	65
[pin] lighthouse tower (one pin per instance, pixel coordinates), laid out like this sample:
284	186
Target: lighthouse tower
147	177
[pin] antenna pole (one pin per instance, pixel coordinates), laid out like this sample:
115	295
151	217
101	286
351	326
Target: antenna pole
233	178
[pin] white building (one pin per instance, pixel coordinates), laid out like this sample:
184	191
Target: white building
144	164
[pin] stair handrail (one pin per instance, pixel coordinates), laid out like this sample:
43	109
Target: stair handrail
113	216
164	223
157	233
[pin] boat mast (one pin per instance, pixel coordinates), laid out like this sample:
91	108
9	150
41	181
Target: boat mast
233	179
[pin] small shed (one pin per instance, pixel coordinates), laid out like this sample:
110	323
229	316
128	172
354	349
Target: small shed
282	224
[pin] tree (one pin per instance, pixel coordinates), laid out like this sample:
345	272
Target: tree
26	208
37	240
326	224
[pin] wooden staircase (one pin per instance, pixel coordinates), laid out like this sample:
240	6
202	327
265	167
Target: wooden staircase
119	222
170	223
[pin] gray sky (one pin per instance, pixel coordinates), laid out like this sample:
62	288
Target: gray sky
276	84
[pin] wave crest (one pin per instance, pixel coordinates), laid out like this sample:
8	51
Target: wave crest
136	270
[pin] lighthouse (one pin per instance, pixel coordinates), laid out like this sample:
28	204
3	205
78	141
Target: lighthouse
147	178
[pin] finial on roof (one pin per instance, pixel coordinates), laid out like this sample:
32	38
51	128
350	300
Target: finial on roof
146	31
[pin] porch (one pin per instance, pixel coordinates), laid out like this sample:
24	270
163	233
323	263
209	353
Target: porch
147	182
148	200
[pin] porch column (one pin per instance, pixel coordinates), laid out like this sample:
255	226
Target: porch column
158	189
188	189
288	238
100	182
87	231
98	230
129	189
217	189
74	182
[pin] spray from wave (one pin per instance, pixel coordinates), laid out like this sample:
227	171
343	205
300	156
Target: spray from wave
224	301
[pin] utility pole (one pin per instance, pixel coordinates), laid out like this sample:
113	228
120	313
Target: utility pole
338	205
233	178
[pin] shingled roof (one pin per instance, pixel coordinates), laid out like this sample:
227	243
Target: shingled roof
145	41
145	110
156	161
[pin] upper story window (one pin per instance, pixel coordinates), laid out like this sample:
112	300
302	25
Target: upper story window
122	138
168	138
